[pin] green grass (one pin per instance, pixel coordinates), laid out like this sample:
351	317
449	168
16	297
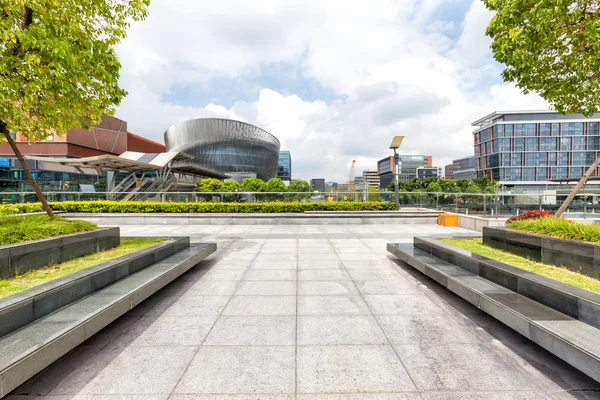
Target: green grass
549	271
560	228
17	229
51	272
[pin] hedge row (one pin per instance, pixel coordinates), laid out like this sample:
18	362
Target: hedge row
105	206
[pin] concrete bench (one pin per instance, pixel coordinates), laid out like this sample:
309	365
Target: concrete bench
572	340
30	349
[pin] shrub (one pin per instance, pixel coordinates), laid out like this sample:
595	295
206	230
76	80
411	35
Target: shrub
560	228
531	214
105	206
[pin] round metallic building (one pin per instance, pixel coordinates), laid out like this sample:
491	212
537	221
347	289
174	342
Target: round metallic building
225	146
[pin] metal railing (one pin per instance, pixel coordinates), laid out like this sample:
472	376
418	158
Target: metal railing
586	205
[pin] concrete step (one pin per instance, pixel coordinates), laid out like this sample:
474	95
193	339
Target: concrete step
32	348
572	340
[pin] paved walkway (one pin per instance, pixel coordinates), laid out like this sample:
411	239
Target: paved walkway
306	312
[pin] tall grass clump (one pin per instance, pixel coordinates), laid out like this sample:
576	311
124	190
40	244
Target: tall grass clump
560	228
17	229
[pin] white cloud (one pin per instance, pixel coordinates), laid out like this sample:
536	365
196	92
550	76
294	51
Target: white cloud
391	64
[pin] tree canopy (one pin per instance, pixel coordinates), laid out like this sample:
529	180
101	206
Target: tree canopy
58	65
550	47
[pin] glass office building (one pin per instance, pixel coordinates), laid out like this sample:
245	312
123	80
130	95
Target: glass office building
225	146
284	168
526	146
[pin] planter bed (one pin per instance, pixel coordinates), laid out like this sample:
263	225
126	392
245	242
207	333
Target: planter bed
23	257
560	318
575	255
41	324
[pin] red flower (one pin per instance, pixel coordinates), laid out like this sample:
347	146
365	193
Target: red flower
531	214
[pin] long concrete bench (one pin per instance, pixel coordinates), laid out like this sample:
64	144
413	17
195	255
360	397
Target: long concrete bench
30	349
572	340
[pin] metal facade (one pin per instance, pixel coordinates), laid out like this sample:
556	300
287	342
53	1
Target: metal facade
225	146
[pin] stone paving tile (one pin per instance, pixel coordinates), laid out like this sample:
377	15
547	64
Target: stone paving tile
334	330
266	288
350	369
197	305
361	396
316	264
326	288
213	288
261	305
279	264
253	331
142	370
176	331
423	329
402	305
332	305
373	274
460	367
323	275
270	275
240	369
387	286
225	275
259	396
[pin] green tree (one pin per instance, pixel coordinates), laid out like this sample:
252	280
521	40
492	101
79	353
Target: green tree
231	187
299	186
275	185
551	47
253	185
373	194
209	185
58	66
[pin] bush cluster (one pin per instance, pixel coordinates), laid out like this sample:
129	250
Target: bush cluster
105	206
560	228
531	214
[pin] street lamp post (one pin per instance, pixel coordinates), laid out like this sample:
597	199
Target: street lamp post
396	142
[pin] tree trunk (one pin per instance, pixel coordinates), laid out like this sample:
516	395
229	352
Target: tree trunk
34	184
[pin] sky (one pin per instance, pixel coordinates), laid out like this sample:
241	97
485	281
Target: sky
333	80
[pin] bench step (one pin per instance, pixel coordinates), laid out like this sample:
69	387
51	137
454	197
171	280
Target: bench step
573	341
32	348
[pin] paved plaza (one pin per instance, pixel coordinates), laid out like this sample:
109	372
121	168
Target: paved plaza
306	312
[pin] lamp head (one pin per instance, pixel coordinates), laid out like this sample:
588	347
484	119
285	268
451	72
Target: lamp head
396	142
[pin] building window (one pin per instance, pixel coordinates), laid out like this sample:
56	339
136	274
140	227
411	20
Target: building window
548	144
516	159
562	159
560	173
532	144
513	174
519	144
572	128
579	143
529	174
545	129
542	174
565	143
556	129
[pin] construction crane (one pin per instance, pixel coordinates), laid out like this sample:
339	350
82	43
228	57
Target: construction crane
351	180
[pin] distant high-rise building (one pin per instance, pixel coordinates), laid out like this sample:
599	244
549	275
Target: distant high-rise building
407	168
358	181
318	184
371	177
427	172
533	148
284	169
461	168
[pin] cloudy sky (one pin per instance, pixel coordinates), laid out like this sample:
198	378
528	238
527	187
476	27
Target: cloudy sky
334	80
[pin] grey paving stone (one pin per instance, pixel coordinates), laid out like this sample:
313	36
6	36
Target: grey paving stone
454	366
366	264
225	275
240	369
359	257
260	396
411	329
270	275
391	286
333	330
176	331
498	395
332	305
361	396
281	256
373	274
261	305
206	287
197	305
280	264
329	288
350	369
322	275
402	305
253	331
266	288
318	257
142	370
337	265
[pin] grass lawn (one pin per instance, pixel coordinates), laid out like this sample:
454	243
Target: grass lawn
37	277
550	271
559	228
19	229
